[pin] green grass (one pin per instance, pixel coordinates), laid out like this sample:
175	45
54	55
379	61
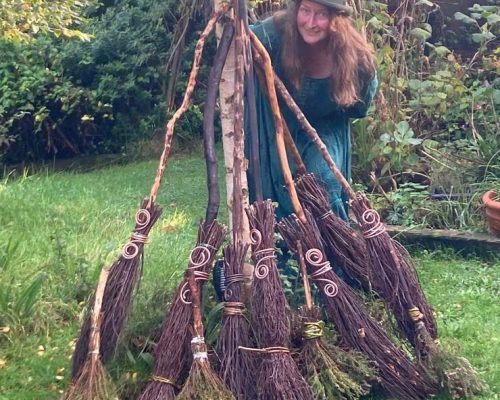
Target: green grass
60	229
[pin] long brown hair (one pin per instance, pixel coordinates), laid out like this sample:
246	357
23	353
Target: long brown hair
352	56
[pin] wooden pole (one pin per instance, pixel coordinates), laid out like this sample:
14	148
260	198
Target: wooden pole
226	101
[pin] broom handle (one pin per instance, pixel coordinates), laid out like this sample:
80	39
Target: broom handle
195	304
289	142
239	78
251	102
313	135
280	142
292	148
305	280
208	123
169	132
95	335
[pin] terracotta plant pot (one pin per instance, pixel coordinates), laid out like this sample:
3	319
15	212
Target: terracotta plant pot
492	207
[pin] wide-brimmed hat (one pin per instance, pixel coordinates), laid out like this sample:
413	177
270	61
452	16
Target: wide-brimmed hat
337	5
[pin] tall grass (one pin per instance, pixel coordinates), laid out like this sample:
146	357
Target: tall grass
57	231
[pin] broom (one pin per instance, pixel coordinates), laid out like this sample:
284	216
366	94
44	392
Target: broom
398	375
277	376
235	366
319	363
125	272
343	242
172	354
118	293
388	266
202	383
93	383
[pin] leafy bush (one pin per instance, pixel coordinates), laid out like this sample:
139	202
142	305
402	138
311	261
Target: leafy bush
64	98
435	126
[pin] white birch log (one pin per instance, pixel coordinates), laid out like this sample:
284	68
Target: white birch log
226	101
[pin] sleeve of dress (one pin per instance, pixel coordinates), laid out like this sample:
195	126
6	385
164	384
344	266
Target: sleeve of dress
360	109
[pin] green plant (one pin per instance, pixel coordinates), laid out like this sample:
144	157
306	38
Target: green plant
399	148
18	304
67	98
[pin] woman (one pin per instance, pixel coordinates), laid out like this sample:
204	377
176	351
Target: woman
328	67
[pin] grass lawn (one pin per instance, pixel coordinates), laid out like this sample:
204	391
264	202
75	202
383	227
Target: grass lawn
58	230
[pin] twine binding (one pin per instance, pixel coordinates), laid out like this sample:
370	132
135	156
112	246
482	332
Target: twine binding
234	308
313	330
266	350
161	379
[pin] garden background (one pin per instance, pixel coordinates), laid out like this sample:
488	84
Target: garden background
88	84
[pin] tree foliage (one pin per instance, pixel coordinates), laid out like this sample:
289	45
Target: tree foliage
63	98
20	20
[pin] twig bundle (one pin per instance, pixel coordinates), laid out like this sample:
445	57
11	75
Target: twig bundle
455	374
236	367
277	375
356	329
94	383
121	284
172	354
317	361
345	243
202	383
392	274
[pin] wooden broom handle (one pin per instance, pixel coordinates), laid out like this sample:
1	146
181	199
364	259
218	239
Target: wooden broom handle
95	336
305	280
239	81
294	151
195	304
208	123
169	132
263	57
289	142
313	135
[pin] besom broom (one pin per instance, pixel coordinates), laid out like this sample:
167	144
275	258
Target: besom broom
331	372
277	375
202	383
93	382
172	354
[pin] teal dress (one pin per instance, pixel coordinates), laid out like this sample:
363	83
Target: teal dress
330	121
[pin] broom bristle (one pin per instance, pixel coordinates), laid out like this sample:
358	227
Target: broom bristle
173	352
122	281
345	243
93	383
204	384
455	374
236	367
391	272
278	376
328	378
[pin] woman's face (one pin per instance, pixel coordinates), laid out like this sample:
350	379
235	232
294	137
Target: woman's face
313	20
